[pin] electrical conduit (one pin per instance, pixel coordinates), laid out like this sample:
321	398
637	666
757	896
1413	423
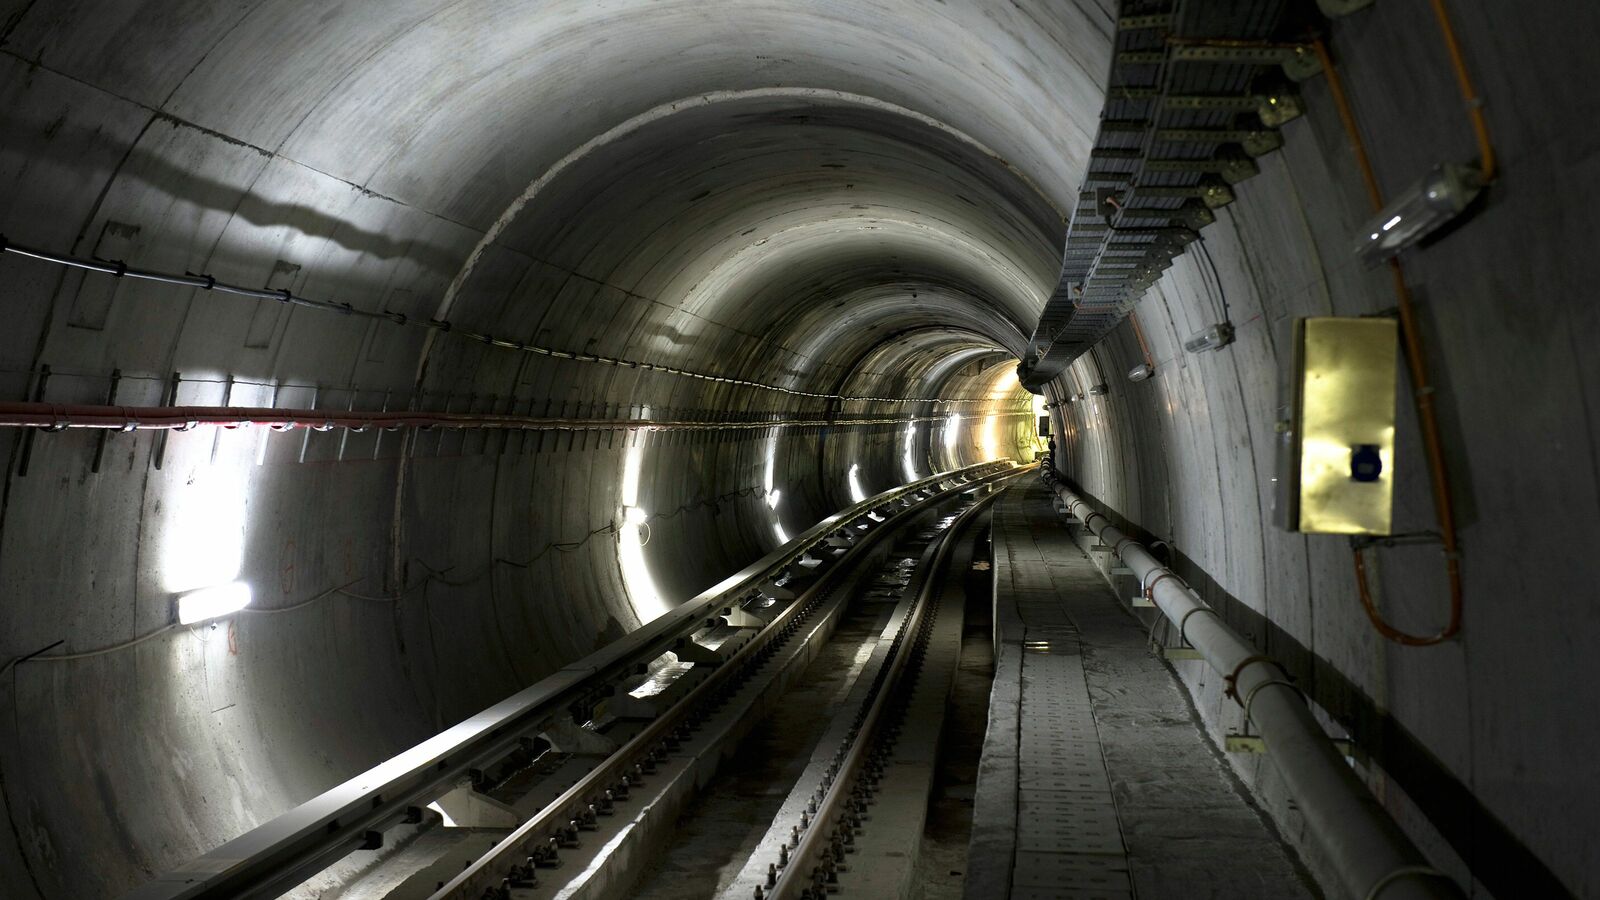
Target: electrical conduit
1372	856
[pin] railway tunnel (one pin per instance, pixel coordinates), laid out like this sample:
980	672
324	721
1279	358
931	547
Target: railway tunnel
698	448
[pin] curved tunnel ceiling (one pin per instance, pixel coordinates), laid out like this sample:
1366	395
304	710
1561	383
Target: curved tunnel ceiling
814	234
860	199
792	226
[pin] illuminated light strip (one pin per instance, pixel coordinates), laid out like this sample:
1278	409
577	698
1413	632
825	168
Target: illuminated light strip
61	417
119	269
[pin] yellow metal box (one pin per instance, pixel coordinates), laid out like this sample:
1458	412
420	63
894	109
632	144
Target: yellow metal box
1341	466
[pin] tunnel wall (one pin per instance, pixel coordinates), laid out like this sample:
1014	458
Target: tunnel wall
781	194
1489	734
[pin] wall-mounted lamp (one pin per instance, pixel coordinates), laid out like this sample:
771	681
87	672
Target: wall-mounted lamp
213	602
1099	390
1141	372
1418	211
1218	335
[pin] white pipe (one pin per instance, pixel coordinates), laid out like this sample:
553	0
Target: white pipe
1373	858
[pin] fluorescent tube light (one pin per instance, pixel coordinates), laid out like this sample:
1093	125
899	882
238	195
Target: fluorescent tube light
1218	335
213	602
1419	211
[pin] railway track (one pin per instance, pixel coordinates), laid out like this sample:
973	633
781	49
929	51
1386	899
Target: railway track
568	788
837	683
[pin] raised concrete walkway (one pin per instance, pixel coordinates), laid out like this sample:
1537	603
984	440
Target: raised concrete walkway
1096	779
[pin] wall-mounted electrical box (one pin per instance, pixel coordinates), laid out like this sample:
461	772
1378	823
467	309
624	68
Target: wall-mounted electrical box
1336	444
1044	426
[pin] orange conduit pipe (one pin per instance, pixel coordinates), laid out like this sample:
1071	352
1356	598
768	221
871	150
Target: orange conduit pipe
1469	94
1416	358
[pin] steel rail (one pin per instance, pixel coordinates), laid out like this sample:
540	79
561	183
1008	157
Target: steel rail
798	876
489	870
284	851
62	417
1371	855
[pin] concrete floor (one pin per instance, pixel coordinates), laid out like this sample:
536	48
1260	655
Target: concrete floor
1098	777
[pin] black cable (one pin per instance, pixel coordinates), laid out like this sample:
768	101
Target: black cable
1215	277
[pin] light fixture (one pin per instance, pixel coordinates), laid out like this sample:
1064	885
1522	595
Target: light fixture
1218	335
635	515
213	602
1141	372
1099	390
1277	107
1419	211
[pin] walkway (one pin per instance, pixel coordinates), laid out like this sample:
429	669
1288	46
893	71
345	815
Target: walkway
1097	780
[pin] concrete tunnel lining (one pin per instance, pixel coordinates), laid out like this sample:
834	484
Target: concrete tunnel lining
541	168
320	155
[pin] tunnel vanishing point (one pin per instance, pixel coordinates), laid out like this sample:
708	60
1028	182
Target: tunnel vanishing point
515	449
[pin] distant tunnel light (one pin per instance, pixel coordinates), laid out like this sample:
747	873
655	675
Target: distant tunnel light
213	602
1418	211
857	493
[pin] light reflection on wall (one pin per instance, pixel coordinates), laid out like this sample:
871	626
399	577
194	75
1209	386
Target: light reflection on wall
857	492
633	532
952	432
989	438
202	539
908	458
774	495
203	543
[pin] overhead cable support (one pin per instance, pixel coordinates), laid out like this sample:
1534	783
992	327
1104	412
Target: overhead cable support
120	269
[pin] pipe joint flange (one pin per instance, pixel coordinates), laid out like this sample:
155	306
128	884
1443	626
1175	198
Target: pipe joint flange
1250	698
1183	623
1232	678
1150	588
1402	873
